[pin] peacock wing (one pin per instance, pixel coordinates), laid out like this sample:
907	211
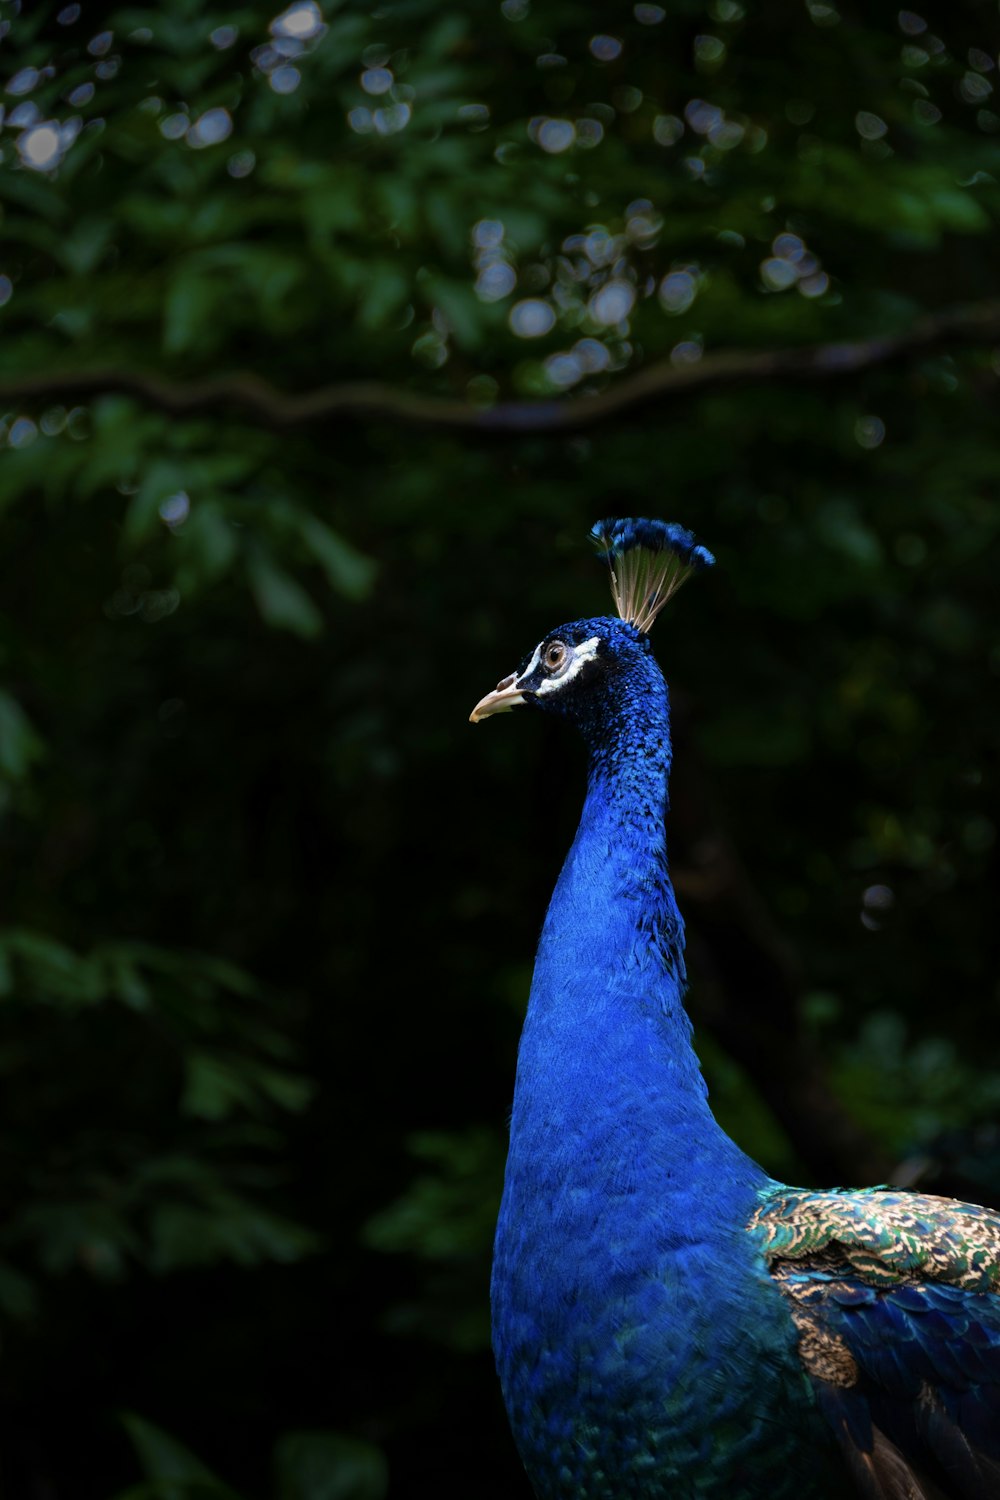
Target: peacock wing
896	1299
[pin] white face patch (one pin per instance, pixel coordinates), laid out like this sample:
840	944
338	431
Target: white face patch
536	657
578	658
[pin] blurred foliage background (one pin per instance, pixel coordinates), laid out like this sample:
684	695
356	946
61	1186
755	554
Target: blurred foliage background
293	307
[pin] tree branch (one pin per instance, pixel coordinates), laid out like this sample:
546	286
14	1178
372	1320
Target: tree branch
252	396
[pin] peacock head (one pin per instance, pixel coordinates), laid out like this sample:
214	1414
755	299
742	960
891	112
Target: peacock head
648	562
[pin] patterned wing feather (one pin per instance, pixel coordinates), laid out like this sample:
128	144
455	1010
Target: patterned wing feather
896	1299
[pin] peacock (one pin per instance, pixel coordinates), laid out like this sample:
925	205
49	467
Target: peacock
668	1320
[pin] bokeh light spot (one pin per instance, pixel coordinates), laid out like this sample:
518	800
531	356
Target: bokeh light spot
564	370
376	80
605	48
175	509
22	432
589	133
778	275
41	147
487	234
814	286
556	135
667	130
627	98
392	120
788	247
53	421
612	303
974	88
870	127
495	282
677	291
241	164
592	355
687	352
209	129
709	50
482	390
477	116
285	80
702	116
23	81
532	318
24	114
301	21
869	432
174	126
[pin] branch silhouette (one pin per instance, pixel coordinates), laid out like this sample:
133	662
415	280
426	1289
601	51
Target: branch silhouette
250	395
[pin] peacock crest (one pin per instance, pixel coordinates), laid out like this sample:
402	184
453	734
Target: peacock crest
648	562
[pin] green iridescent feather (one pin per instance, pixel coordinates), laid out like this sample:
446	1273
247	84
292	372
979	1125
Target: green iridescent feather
885	1236
894	1297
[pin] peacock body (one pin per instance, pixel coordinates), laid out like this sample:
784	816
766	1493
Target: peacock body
668	1321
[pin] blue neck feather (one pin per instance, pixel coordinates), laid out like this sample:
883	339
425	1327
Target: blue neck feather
607	1046
623	1199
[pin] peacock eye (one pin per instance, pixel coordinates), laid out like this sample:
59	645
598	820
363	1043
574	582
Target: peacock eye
555	655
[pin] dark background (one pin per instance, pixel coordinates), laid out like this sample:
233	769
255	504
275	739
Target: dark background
268	903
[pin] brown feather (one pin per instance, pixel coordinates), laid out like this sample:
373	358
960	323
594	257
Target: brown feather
883	1473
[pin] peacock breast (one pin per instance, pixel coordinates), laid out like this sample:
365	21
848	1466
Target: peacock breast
668	1371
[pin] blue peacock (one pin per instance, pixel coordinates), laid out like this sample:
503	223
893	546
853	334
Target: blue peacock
669	1321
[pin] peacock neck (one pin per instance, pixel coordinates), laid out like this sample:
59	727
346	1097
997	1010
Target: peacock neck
623	1201
607	1037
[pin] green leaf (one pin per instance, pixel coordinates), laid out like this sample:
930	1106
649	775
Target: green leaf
227	1228
461	308
177	1473
162	478
20	746
214	1089
347	569
329	1466
842	529
208	545
191	305
18	1297
83	248
282	602
288	1090
959	211
128	984
53	973
386	293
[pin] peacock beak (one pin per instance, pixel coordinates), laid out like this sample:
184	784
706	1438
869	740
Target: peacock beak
505	695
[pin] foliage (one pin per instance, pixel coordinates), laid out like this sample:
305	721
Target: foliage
268	905
307	1466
